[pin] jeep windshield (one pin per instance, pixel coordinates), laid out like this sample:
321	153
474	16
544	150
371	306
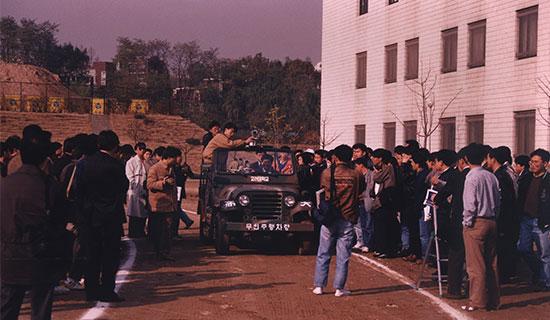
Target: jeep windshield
255	162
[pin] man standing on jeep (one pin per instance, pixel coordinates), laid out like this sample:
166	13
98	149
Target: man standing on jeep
223	140
349	185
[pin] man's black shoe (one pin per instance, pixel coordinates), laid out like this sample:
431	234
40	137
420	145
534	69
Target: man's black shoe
454	296
189	225
165	257
111	297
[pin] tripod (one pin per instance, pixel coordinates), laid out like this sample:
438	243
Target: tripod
434	239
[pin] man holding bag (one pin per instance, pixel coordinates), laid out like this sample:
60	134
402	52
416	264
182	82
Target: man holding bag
343	186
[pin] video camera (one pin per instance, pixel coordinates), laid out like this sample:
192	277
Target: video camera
256	135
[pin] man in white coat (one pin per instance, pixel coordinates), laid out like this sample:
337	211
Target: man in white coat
137	193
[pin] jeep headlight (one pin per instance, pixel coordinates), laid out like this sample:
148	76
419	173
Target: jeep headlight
229	204
244	200
290	201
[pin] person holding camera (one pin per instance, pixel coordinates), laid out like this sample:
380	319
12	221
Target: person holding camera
225	141
163	199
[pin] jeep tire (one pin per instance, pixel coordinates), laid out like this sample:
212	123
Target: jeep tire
305	247
222	237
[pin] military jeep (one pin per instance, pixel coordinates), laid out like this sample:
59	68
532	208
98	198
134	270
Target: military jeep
250	193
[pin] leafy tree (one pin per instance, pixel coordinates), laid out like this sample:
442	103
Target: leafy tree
9	40
29	42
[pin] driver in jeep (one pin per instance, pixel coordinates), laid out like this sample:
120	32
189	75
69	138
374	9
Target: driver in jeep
266	165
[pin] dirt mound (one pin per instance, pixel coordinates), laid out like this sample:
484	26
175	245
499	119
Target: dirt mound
29	80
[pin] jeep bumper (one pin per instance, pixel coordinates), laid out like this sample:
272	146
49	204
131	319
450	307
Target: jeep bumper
269	226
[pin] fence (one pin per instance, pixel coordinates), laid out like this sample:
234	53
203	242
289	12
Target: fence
56	97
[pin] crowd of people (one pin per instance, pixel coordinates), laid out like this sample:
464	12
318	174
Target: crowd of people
491	210
63	210
64	206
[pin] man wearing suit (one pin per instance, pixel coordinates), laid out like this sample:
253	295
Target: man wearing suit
455	188
445	161
101	187
508	218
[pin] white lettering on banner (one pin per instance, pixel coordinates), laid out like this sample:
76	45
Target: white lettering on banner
259	179
267	226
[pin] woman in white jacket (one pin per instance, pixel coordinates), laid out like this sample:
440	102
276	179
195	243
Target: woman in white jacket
136	209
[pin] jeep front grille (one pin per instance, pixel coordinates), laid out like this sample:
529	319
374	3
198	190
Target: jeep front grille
266	205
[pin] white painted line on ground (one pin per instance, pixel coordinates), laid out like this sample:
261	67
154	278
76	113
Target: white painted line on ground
445	307
189	211
97	311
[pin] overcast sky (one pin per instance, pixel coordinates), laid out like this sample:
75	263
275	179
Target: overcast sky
277	28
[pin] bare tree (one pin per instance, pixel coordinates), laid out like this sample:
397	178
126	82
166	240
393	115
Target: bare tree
184	55
136	130
424	96
544	86
160	49
327	138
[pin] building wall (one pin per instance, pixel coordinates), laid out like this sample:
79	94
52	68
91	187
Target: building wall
504	85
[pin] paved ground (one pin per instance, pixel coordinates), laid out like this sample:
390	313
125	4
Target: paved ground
260	284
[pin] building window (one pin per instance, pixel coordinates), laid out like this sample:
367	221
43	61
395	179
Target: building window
363	7
527	32
476	56
525	131
410	130
360	136
392	1
361	80
450	47
411	47
448	133
474	128
389	135
391	63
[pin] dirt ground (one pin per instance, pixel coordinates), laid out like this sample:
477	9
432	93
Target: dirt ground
270	284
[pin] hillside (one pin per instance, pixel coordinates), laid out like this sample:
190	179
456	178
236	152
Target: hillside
154	130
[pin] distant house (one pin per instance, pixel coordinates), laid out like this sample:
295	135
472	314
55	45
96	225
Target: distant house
102	73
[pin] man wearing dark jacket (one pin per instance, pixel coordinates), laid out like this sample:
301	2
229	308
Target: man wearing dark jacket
507	221
534	203
101	187
454	188
444	161
408	215
59	164
385	204
28	214
420	166
213	129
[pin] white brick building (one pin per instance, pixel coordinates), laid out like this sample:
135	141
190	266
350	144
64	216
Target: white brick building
499	101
